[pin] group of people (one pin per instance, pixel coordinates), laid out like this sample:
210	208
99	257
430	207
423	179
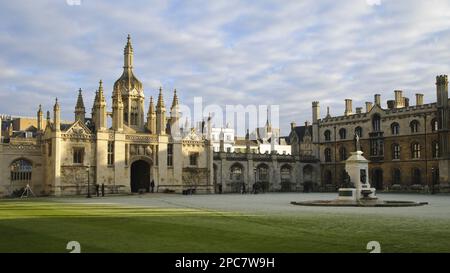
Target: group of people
254	189
97	189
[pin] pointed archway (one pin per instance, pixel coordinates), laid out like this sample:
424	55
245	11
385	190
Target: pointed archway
140	176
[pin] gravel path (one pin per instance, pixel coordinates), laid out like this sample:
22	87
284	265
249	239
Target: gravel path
277	203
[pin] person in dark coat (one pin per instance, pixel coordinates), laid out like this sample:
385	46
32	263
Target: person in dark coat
152	186
243	188
97	186
103	189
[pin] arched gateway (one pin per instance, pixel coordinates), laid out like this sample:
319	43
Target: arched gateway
140	176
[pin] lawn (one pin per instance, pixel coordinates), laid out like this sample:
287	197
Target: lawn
47	226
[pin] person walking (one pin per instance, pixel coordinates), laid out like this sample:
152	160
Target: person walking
103	190
152	186
97	186
243	188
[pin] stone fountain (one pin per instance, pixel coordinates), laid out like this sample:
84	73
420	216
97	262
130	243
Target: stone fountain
357	168
360	193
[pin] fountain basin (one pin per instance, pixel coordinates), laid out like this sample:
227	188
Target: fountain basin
361	203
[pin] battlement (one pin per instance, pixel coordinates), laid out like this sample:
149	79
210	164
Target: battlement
441	79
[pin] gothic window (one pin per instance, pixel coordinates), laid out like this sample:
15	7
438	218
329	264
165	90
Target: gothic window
327	135
134	117
327	155
434	125
170	155
414	125
285	174
376	123
21	170
376	147
236	173
343	133
395	151
342	154
263	173
395	128
415	149
110	153
78	155
358	131
193	159
435	149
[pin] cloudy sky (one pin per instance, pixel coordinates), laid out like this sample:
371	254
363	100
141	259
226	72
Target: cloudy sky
286	53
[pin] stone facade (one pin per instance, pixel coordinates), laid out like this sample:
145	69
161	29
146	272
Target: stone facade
66	158
60	158
268	172
405	144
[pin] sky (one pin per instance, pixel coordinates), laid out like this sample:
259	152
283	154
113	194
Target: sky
285	53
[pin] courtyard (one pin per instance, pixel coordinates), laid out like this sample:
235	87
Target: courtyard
221	223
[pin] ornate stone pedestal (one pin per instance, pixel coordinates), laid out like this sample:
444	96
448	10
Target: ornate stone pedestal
357	167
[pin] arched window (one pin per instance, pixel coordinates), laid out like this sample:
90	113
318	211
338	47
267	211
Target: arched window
342	154
285	174
236	173
414	125
415	150
376	123
21	170
395	128
395	151
342	133
416	176
327	155
263	173
358	131
435	149
308	173
434	125
396	176
327	135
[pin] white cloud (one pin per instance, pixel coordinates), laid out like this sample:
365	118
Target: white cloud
230	52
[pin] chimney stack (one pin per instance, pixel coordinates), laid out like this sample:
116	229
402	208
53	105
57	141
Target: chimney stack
399	102
316	111
358	110
293	125
348	107
419	99
391	104
369	106
378	100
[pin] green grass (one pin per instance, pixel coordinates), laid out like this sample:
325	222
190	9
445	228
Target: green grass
47	226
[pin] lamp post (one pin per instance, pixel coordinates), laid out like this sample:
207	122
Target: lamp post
89	185
433	179
254	185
